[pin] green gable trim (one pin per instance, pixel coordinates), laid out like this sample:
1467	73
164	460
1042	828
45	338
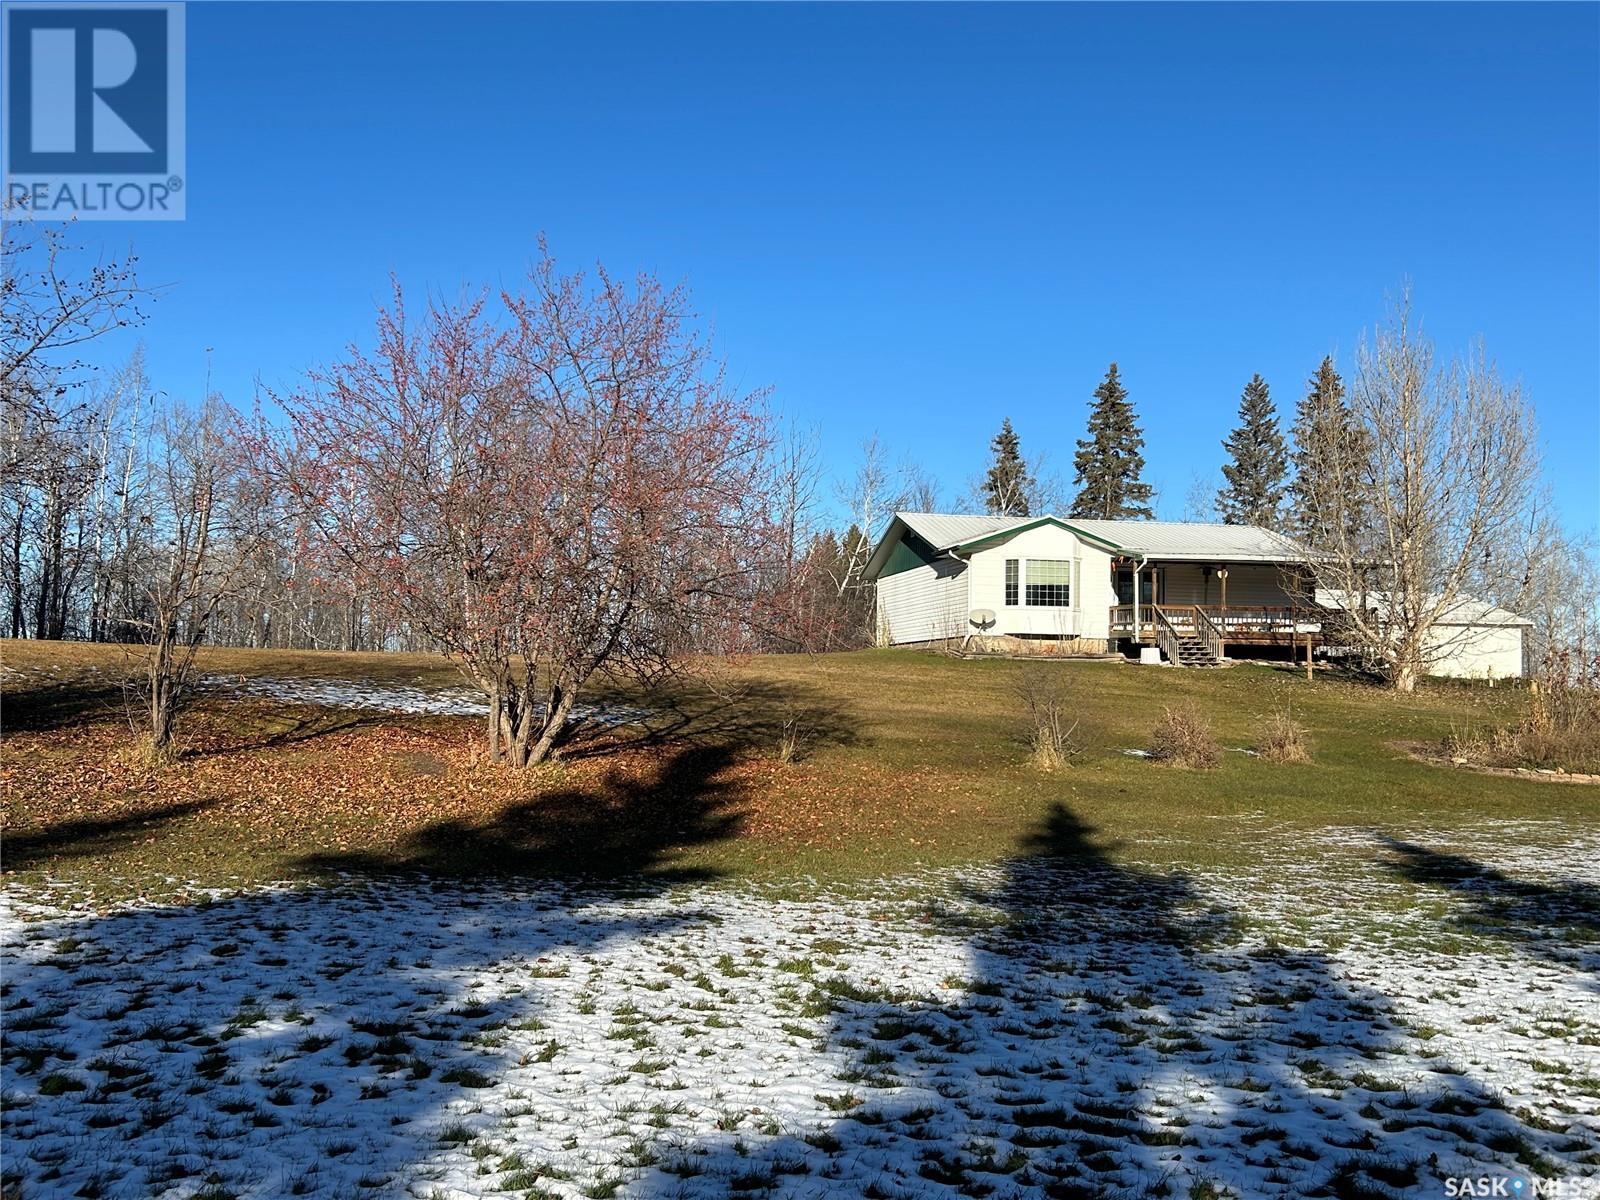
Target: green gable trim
1001	534
909	553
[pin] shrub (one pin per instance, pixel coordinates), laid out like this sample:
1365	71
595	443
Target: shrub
1183	738
791	736
1283	739
1052	737
143	755
1561	728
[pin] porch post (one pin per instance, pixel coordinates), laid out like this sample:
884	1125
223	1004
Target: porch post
1138	630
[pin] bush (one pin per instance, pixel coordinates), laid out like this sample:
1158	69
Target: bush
1561	728
142	755
1183	738
791	736
1283	739
1043	695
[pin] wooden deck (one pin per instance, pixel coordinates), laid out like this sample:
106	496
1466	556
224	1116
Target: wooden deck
1240	624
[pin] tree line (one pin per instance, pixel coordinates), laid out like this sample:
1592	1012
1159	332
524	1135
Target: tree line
547	483
1414	488
1266	483
556	482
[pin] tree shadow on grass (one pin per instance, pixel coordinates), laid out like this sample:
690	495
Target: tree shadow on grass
1558	921
1120	1032
333	1040
619	828
752	715
43	708
37	849
211	731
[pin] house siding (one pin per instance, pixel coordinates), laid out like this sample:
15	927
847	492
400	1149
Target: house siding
1475	651
923	604
1088	614
1248	583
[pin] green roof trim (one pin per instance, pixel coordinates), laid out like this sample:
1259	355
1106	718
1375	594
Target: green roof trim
999	534
909	553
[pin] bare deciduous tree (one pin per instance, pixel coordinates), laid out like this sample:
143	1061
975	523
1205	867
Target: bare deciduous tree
567	487
51	304
1550	576
1446	476
193	560
872	495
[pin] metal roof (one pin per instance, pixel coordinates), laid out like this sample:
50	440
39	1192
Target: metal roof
1157	539
943	530
1192	540
1463	610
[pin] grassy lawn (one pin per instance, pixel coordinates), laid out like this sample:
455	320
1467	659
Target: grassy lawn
1352	978
913	761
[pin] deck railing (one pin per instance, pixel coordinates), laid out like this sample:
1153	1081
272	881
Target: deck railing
1209	633
1166	636
1235	623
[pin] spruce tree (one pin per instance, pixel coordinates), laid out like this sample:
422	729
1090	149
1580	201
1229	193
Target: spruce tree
1007	485
1253	494
1109	462
1330	451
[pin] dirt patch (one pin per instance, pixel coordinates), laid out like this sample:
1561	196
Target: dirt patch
412	762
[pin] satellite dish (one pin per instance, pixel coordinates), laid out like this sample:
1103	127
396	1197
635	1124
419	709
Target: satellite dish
983	618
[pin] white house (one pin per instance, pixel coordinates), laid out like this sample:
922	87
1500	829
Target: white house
1080	586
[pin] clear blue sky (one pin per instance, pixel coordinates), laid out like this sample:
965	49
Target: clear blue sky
917	220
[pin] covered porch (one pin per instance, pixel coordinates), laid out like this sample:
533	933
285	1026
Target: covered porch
1194	610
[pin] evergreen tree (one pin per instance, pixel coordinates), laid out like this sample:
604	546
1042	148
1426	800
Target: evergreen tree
1253	494
1007	485
1330	451
1109	462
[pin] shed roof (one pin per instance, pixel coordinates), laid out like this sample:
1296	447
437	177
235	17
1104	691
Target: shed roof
1463	610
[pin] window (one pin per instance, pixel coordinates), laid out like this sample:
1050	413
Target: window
1049	582
1124	586
1011	580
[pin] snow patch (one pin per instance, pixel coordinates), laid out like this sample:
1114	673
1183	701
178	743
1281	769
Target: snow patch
399	698
1330	1020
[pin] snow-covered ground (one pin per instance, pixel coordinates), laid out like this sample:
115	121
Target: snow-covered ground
396	698
1358	1017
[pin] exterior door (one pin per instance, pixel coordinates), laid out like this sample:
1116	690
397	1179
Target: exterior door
1149	588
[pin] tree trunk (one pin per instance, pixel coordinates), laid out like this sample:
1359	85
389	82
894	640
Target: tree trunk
17	620
528	731
162	712
554	724
1405	676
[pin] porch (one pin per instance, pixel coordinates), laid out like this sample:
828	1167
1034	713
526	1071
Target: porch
1241	624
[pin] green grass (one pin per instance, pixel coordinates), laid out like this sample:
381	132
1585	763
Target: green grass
914	761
